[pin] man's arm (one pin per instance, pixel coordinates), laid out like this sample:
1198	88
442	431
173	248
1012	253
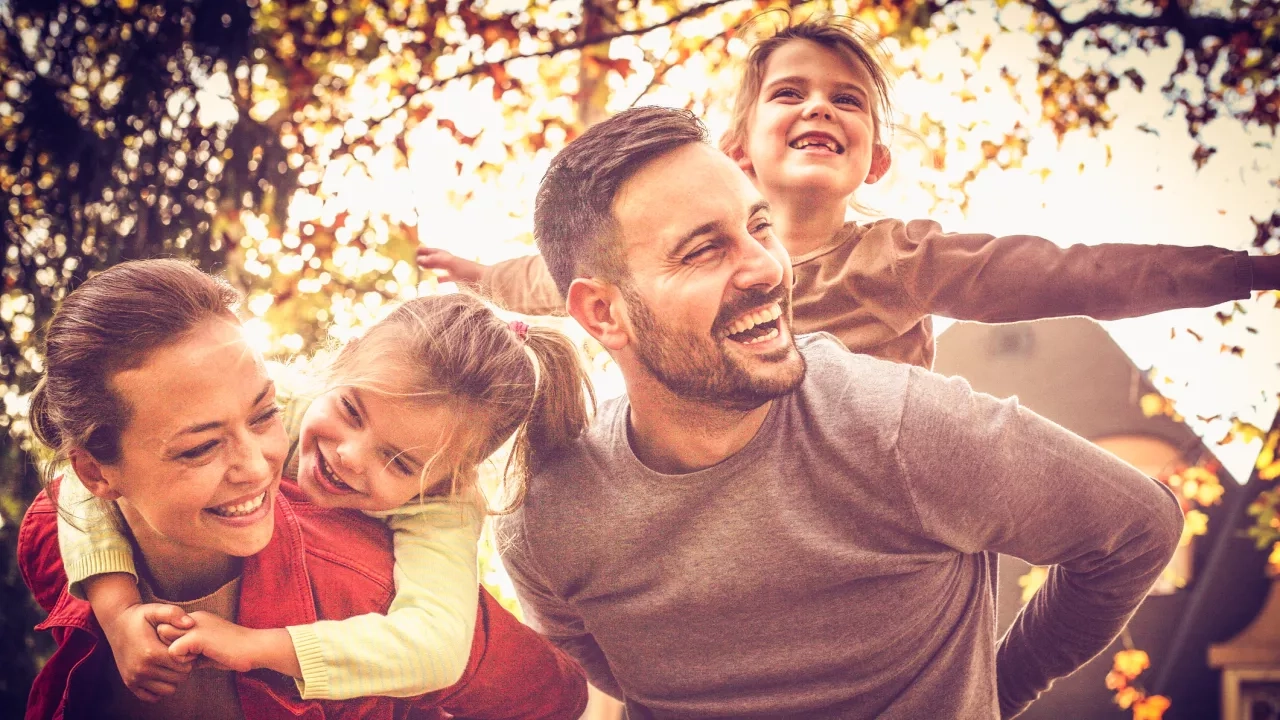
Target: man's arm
988	474
1023	277
550	615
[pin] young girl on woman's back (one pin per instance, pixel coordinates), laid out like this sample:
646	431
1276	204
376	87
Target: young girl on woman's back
408	412
808	128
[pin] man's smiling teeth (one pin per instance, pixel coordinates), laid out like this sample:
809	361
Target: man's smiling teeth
759	317
239	509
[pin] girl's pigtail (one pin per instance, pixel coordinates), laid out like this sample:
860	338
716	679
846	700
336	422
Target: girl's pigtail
563	402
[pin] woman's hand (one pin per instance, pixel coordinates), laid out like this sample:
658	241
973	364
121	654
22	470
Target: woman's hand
146	666
228	646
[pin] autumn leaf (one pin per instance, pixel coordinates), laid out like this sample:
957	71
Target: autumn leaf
1150	708
1222	317
1233	349
1127	696
1196	335
1116	680
1032	581
1148	129
1131	663
1197	524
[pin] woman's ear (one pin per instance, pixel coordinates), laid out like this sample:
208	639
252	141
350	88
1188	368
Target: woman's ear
881	159
599	309
91	476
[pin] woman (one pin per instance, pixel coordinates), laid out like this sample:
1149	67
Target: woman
162	409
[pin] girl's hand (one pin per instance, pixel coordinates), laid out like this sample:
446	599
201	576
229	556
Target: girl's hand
227	646
146	666
449	267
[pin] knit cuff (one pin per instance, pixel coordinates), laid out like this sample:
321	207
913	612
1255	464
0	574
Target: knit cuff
98	563
1244	274
314	684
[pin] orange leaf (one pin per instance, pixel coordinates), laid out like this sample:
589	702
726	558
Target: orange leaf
1150	708
1131	663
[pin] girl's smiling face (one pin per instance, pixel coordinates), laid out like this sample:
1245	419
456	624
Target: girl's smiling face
812	130
367	450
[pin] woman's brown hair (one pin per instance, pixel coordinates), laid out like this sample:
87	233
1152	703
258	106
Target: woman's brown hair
497	380
113	322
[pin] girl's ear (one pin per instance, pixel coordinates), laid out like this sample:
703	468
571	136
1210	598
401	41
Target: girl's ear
90	473
599	309
881	159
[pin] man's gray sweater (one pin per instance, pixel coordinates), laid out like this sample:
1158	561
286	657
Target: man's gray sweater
842	564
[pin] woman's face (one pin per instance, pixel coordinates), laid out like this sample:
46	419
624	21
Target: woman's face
201	457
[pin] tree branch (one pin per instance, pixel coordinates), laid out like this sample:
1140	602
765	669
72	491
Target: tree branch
1193	28
412	91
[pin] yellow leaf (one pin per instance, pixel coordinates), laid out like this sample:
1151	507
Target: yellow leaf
1131	663
1209	494
1031	582
1197	522
1270	472
1150	708
1127	696
1153	404
1274	559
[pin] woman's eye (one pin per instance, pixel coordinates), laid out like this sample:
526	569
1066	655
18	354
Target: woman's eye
402	466
785	92
267	416
198	451
849	100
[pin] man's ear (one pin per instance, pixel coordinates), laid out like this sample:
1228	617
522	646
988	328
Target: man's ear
598	307
881	159
738	154
90	473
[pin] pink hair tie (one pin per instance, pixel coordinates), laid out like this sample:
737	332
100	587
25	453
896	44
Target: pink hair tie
521	329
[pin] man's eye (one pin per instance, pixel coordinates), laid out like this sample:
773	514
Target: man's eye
198	451
699	253
761	227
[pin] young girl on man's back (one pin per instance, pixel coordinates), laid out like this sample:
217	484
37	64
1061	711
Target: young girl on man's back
407	413
808	128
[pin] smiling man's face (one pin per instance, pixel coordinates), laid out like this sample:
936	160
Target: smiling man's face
709	292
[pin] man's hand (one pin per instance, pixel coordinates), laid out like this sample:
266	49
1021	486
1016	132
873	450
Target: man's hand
449	267
146	666
228	646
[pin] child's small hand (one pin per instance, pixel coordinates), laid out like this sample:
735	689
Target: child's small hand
449	267
145	664
223	645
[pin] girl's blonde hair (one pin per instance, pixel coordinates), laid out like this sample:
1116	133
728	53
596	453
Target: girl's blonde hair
497	379
842	35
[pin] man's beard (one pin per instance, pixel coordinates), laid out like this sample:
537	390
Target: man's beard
699	368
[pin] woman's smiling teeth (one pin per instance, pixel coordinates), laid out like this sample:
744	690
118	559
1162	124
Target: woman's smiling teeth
757	326
239	509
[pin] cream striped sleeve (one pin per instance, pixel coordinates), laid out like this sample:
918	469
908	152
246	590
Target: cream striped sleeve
89	539
423	642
